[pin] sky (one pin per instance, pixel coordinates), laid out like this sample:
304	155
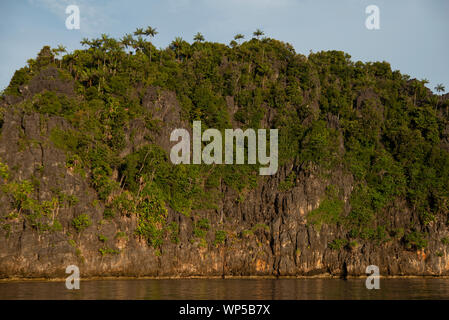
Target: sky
413	34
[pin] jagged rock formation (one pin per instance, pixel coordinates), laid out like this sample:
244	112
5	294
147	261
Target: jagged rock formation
268	229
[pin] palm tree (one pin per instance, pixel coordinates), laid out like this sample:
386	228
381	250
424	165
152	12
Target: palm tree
58	52
105	42
233	43
258	33
177	44
417	88
198	37
85	42
139	44
138	32
160	55
105	39
95	43
440	88
150	32
239	37
127	40
69	58
115	49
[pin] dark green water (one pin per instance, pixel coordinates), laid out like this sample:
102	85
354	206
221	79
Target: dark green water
230	289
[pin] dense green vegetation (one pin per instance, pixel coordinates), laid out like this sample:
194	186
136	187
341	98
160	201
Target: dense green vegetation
41	215
330	209
81	222
381	126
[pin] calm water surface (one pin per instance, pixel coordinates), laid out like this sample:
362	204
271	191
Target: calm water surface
230	289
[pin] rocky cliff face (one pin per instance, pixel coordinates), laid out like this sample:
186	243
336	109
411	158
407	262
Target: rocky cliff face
267	228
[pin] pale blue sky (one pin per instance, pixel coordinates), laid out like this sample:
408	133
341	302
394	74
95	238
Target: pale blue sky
413	34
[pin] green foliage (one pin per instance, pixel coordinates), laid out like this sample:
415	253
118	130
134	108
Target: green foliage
201	227
67	140
72	243
288	183
74	162
51	103
377	234
20	77
329	211
178	185
151	213
320	145
174	232
353	244
72	200
7	228
337	244
121	235
102	238
445	241
57	226
398	233
4	170
41	215
255	228
81	222
220	237
108	213
332	113
203	223
108	251
415	240
125	203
